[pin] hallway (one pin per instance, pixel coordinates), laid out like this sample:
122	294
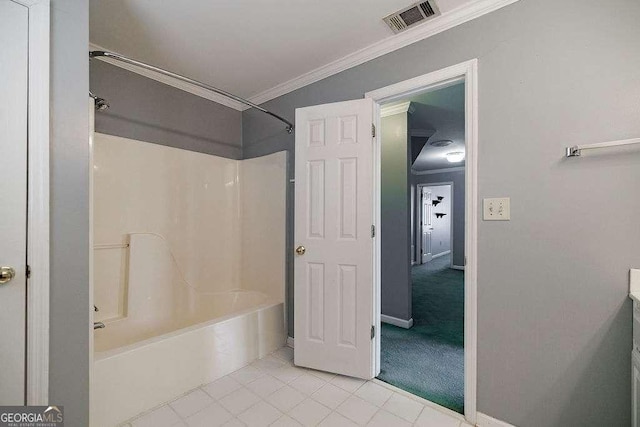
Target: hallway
428	359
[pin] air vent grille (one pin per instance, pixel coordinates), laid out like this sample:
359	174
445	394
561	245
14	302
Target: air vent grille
413	15
427	9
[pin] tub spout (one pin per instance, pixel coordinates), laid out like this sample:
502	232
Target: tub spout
98	325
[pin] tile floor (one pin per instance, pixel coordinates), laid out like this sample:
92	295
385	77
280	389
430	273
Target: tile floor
273	392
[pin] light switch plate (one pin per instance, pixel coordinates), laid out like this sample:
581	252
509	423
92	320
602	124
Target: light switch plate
497	209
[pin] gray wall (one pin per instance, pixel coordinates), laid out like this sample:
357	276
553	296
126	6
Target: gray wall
554	320
395	210
147	110
458	207
69	306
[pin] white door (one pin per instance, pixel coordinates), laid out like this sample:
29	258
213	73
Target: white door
333	274
13	208
426	225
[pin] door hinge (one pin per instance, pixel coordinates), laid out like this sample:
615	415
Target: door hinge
28	271
373	130
373	231
373	332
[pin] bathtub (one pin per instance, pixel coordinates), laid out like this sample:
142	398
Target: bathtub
138	365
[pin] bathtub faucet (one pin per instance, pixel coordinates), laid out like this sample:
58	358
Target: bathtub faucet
98	325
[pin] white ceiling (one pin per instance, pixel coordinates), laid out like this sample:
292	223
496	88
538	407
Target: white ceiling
244	46
441	110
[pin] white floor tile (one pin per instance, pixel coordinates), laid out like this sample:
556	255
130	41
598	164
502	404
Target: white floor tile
268	363
221	387
191	403
284	353
212	416
239	401
433	418
307	383
260	415
348	384
326	376
164	416
336	420
285	398
383	418
286	421
247	374
264	386
287	373
330	396
357	410
309	412
403	407
373	393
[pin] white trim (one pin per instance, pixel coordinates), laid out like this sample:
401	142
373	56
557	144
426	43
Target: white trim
441	253
397	108
485	420
467	72
448	20
37	340
434	171
290	342
195	90
435	26
424	133
457	267
401	323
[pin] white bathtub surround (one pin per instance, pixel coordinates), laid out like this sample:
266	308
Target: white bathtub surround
222	219
189	279
237	400
131	379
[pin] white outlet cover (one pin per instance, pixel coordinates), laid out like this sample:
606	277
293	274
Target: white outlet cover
496	209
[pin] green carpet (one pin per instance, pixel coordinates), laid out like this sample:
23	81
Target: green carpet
428	359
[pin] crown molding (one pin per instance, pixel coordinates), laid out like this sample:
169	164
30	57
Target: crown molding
422	133
396	108
447	20
195	90
433	171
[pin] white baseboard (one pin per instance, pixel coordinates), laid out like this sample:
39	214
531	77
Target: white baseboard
290	342
484	420
401	323
458	267
441	254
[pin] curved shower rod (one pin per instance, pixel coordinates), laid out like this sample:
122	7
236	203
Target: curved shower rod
121	58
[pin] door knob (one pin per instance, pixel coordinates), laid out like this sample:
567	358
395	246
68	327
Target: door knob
6	274
300	250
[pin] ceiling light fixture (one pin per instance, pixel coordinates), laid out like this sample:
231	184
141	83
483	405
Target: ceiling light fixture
455	156
440	143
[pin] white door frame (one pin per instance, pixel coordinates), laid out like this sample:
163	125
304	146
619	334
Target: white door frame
466	72
418	190
37	340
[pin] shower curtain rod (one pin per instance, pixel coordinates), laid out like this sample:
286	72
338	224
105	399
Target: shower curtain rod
122	58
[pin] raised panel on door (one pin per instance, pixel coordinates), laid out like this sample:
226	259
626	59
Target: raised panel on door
13	187
334	281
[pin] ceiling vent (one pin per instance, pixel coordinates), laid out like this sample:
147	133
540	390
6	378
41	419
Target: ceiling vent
412	16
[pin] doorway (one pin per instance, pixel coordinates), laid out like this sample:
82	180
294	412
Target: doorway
339	212
462	262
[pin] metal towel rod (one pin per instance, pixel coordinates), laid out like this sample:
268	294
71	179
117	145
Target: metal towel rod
112	246
122	58
576	150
